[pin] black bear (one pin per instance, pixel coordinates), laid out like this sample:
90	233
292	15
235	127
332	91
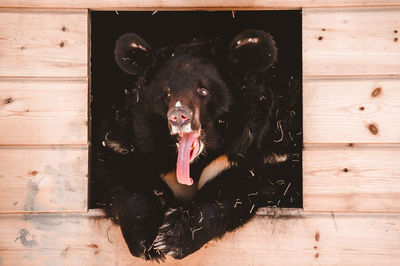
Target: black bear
199	142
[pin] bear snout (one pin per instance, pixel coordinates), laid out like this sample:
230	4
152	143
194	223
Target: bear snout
180	118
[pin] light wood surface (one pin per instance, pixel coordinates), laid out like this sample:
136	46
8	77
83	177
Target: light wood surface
351	42
44	69
43	43
351	110
43	179
351	178
192	4
43	111
291	238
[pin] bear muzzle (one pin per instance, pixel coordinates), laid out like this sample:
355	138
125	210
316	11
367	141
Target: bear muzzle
179	119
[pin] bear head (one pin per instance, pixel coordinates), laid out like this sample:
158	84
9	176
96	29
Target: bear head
190	86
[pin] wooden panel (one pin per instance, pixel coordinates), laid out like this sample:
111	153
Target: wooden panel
295	238
348	42
160	4
351	178
43	43
43	112
343	111
43	179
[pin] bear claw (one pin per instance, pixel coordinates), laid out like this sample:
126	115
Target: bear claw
173	236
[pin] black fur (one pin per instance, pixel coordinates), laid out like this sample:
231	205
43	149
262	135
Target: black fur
245	117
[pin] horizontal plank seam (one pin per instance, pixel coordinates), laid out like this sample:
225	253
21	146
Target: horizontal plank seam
211	7
78	144
78	211
358	77
352	8
307	146
78	10
358	144
152	8
50	146
43	78
378	212
355	77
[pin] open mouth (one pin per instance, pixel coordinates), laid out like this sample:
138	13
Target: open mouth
187	138
189	147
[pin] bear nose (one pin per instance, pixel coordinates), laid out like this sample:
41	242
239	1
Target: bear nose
179	116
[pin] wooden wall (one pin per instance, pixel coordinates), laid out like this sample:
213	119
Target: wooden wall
43	110
351	94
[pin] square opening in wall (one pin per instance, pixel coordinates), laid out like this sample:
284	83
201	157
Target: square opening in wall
195	111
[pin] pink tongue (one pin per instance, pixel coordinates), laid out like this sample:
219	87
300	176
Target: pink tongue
183	163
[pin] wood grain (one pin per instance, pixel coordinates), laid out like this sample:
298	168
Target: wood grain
43	179
43	43
295	238
351	42
43	111
192	4
351	110
351	178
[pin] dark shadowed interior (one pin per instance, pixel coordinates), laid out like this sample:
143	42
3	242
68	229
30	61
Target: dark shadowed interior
162	29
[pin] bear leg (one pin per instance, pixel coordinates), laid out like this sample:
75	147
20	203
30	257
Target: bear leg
140	215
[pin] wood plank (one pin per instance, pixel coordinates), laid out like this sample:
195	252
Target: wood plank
192	4
347	42
43	111
351	110
43	179
293	238
351	178
43	43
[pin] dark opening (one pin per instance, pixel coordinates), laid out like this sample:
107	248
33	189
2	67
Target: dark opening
163	29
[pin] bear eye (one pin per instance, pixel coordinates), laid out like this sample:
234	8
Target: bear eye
168	93
202	91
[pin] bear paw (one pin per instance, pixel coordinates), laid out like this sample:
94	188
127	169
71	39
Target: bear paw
154	255
176	237
146	252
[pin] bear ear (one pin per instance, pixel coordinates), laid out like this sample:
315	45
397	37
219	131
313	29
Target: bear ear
253	50
133	55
